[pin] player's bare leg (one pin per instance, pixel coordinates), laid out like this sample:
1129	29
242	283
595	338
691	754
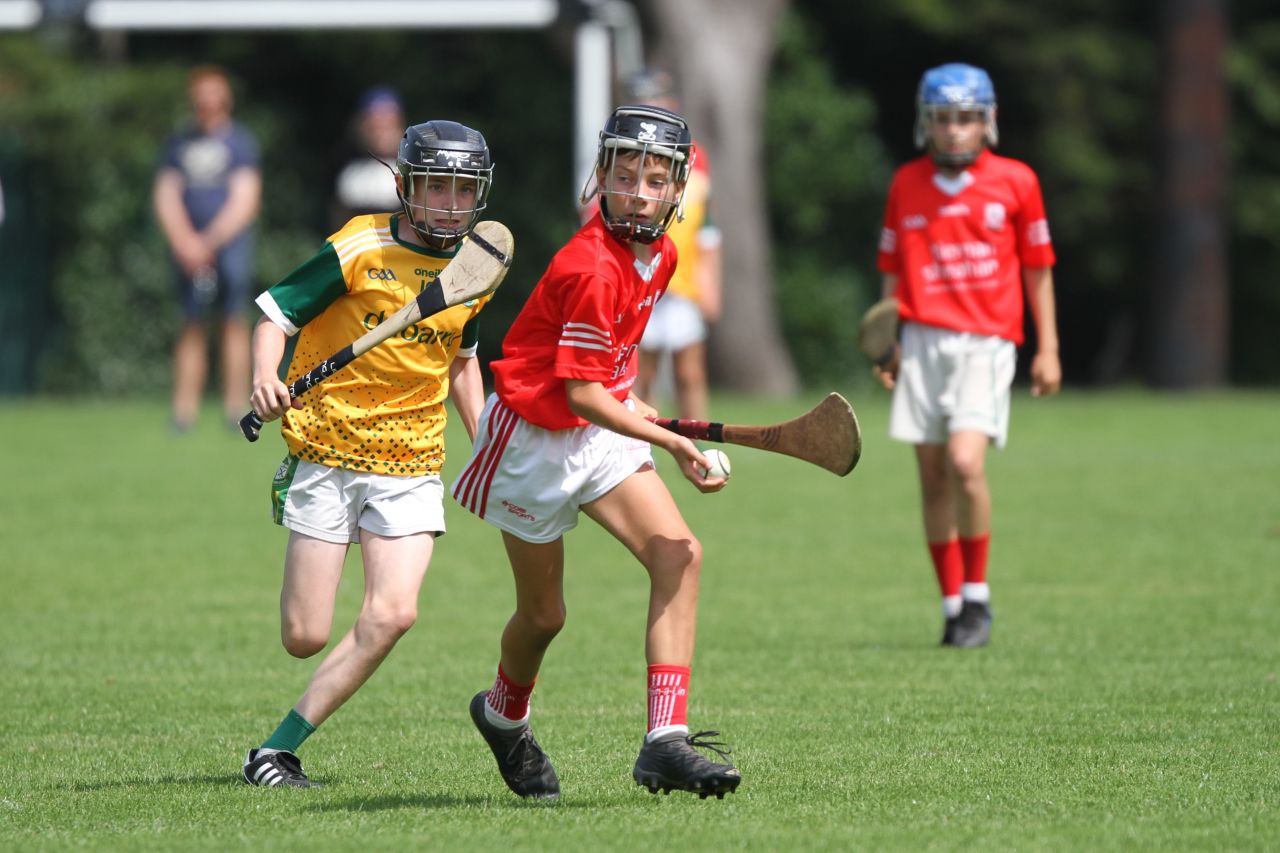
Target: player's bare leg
393	571
957	510
312	570
966	461
538	569
501	715
642	515
936	497
938	503
190	368
689	367
235	357
394	568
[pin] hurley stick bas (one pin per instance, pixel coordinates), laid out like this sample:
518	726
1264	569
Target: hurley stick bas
476	270
827	435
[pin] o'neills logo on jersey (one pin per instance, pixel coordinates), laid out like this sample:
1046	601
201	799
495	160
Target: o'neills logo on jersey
993	214
914	222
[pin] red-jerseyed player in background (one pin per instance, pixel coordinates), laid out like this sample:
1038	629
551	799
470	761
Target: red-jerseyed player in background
563	434
964	237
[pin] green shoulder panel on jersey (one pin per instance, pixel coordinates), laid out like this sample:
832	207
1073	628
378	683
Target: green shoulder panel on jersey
304	293
471	333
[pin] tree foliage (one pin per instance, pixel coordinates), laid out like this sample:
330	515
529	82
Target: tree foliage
1078	87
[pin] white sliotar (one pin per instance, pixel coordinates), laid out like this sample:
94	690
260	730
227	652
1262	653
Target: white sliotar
719	464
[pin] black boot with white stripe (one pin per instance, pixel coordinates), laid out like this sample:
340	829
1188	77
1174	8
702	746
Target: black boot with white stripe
273	769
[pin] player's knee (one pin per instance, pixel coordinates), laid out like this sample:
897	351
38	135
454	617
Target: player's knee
384	624
549	620
967	464
301	643
674	557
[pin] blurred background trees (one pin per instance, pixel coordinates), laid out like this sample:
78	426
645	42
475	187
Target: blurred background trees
804	124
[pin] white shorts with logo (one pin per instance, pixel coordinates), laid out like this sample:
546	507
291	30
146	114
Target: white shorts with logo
676	324
333	504
951	382
531	482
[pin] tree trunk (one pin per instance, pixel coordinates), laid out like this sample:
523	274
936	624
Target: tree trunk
1189	332
720	51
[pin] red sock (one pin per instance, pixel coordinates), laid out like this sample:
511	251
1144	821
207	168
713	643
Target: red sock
948	565
509	699
975	557
668	695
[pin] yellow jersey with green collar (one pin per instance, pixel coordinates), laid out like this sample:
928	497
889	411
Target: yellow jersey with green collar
384	413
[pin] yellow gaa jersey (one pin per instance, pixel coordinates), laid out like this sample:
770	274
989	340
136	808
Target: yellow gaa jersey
383	413
687	232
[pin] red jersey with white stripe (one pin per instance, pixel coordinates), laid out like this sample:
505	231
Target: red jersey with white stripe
958	246
583	320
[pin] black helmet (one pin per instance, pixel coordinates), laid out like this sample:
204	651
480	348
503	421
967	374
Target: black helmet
652	131
443	149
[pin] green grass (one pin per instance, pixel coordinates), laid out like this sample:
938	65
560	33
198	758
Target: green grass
1129	698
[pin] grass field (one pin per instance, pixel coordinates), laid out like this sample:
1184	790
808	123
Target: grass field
1129	699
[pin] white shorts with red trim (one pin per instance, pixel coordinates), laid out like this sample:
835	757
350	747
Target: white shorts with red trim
531	481
951	382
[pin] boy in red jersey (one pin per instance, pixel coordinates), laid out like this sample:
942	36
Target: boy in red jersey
563	434
964	236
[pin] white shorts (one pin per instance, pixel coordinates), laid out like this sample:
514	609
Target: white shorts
951	382
332	504
676	324
531	481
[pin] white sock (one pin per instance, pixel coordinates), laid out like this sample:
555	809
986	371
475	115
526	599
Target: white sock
951	605
665	730
979	592
498	721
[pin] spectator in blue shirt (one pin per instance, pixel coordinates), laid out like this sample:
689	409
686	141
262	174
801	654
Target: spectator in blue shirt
206	196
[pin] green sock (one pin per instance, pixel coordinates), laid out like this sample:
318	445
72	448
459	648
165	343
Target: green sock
293	730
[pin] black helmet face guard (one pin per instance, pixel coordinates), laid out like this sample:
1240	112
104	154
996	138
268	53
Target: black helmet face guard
635	139
438	160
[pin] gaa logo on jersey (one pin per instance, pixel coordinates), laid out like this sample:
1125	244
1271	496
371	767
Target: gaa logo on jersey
994	215
382	274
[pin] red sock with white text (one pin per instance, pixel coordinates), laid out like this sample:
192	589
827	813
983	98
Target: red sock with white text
668	699
509	699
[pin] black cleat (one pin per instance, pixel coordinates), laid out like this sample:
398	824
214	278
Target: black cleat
974	628
949	630
275	769
523	765
671	763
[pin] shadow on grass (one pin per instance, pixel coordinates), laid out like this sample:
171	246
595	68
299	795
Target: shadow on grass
84	787
438	801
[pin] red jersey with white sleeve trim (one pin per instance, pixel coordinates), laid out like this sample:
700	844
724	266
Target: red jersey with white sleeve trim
958	246
583	320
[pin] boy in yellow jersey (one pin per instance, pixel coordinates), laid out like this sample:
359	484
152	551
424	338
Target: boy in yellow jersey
367	445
